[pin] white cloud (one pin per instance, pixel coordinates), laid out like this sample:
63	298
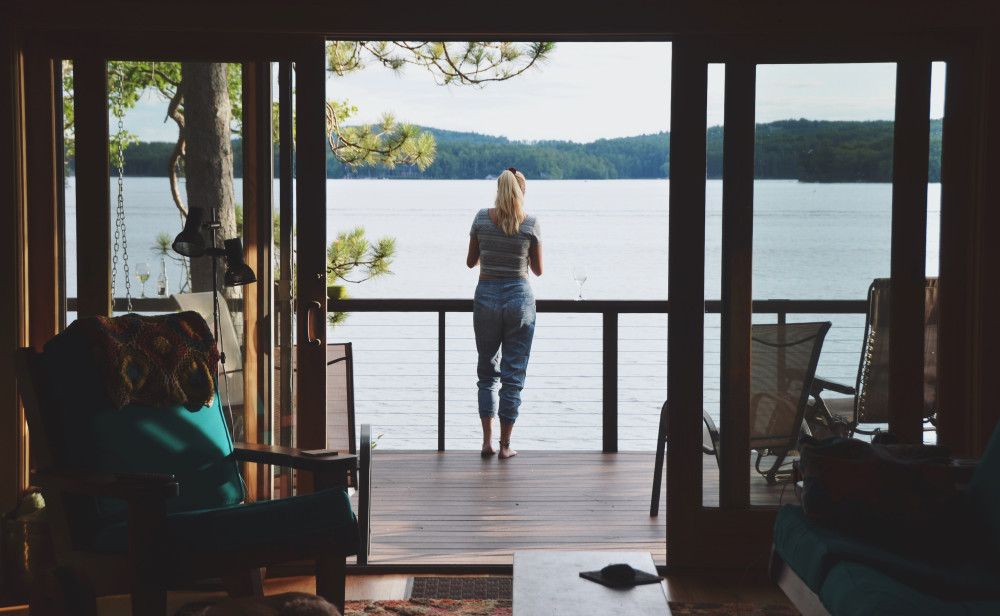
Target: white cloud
586	91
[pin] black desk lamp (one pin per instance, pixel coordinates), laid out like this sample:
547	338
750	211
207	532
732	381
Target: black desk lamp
191	243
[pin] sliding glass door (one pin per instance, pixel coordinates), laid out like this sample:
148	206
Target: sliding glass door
786	202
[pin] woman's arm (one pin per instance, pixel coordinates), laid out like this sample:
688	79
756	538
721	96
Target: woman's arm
473	259
535	259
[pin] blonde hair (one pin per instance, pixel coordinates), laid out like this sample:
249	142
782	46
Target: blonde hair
510	201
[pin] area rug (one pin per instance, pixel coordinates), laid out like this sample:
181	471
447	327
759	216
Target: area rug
491	591
502	607
686	608
430	607
487	587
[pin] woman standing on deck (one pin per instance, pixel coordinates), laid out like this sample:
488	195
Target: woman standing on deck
504	242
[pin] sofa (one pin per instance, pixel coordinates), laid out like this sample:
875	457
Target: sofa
918	547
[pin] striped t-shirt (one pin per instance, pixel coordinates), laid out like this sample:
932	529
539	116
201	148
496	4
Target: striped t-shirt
500	255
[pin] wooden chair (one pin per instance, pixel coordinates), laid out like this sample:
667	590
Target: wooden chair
146	498
783	361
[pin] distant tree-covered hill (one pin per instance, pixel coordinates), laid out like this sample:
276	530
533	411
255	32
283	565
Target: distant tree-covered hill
804	150
812	151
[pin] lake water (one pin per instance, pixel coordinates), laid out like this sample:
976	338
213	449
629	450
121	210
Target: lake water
812	241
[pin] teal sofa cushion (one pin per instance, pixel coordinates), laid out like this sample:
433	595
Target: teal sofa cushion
190	442
860	590
812	550
983	496
247	525
943	569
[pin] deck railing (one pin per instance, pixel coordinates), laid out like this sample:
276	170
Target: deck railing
597	330
591	358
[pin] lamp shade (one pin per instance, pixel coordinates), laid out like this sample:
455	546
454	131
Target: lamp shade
190	242
239	273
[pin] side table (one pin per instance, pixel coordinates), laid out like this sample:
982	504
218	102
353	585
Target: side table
548	583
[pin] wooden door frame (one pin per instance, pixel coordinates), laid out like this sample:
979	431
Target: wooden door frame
14	277
310	278
694	532
43	297
968	328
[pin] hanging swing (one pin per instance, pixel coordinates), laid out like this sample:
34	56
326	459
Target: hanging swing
118	108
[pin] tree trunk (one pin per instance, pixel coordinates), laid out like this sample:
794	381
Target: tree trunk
208	160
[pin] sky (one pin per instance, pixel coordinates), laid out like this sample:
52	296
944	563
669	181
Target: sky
590	91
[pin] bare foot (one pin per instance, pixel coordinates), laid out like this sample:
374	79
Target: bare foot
488	437
506	451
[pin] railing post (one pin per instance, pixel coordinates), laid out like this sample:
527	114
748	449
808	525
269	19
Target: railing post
441	358
610	380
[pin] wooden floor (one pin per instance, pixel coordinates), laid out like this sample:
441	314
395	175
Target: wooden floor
456	508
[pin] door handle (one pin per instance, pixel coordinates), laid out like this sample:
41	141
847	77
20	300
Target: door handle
311	338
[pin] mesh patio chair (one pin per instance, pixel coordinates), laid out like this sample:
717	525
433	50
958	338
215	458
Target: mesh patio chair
342	431
868	401
783	364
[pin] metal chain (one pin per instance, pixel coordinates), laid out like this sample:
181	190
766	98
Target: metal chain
118	106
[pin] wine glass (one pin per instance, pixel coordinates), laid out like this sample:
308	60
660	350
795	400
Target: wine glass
580	276
142	273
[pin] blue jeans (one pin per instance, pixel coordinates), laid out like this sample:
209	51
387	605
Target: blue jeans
503	316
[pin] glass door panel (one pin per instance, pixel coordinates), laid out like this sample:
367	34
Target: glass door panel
822	230
157	174
716	97
933	261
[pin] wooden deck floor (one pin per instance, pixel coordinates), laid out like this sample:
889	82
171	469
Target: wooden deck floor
456	508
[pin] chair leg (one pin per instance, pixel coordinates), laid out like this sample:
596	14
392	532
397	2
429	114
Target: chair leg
771	474
331	579
661	444
365	495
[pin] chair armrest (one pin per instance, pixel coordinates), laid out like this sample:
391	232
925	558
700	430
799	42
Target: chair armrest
713	435
294	458
819	384
128	486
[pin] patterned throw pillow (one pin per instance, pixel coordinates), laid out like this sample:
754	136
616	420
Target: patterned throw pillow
161	360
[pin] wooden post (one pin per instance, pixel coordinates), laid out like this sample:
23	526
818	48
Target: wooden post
609	398
737	282
310	149
686	292
911	141
442	316
93	214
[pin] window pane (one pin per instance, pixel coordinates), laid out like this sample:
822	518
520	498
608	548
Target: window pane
148	203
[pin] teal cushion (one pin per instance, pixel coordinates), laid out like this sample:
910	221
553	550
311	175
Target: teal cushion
193	446
190	442
243	526
858	590
812	550
796	543
983	495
